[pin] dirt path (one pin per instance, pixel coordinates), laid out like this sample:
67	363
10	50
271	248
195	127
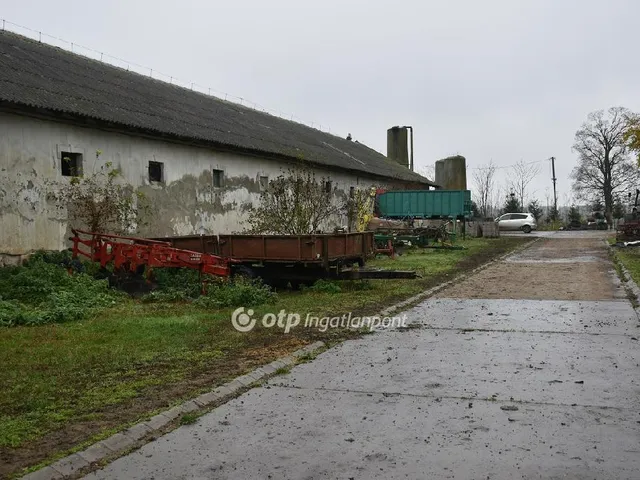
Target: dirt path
571	266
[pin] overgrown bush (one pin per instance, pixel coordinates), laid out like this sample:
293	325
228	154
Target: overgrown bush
239	293
42	291
325	286
169	294
176	280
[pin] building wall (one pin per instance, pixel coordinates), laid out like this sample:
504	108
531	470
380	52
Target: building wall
185	203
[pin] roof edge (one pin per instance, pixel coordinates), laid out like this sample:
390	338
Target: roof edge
85	121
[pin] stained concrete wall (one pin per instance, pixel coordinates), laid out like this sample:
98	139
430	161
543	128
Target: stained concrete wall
186	202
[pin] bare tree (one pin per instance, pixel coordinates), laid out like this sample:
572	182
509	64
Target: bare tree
523	175
604	167
483	179
497	200
295	203
428	171
101	201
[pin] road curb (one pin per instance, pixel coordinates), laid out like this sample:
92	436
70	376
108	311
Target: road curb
629	283
432	291
116	445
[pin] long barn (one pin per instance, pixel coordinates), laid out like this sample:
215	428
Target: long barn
201	160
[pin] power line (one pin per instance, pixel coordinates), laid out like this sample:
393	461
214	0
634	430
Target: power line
156	75
499	167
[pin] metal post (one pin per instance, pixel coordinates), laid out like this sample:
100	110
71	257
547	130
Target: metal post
411	144
553	177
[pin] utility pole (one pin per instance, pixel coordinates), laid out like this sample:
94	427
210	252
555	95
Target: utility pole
553	177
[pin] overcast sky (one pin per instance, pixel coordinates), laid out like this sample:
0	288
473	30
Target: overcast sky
493	79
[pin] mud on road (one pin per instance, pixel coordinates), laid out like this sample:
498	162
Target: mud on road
574	266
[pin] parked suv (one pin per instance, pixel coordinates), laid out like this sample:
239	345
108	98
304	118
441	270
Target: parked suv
517	221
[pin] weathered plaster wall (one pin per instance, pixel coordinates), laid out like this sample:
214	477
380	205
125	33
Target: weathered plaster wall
186	202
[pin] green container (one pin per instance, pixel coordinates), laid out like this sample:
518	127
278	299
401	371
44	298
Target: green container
425	204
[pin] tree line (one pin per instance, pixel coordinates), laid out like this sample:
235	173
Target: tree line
605	177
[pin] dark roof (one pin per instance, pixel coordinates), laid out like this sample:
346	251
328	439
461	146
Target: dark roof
48	78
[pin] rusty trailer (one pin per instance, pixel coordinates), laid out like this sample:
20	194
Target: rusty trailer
295	259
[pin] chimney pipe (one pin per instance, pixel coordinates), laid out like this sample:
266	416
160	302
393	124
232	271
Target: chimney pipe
411	142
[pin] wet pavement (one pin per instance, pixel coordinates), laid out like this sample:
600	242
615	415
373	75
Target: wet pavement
473	389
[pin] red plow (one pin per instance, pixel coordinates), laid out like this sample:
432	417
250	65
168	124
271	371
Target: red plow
131	257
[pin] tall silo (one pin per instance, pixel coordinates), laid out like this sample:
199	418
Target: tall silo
439	174
455	173
397	148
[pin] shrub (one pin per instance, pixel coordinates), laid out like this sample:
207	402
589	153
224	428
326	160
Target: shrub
241	292
178	279
169	294
42	291
325	286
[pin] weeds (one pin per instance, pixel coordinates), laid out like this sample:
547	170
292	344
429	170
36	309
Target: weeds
41	291
325	286
283	370
189	418
240	292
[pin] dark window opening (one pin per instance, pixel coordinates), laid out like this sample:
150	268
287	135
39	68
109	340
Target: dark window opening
352	192
264	182
218	178
327	186
156	172
71	164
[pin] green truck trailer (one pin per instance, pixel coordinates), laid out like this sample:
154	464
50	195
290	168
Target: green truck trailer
454	204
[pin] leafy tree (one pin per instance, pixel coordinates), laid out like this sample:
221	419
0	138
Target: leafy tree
512	205
604	167
632	135
101	203
574	215
295	203
359	209
535	209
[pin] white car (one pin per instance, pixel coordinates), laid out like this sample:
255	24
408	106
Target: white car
517	221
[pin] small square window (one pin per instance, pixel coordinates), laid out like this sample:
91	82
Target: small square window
156	172
71	164
218	178
327	186
264	182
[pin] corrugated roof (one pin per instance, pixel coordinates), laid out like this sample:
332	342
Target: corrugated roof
38	75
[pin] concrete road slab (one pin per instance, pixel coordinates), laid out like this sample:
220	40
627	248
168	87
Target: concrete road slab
290	433
527	315
528	367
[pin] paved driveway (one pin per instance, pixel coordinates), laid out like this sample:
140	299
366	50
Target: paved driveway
504	385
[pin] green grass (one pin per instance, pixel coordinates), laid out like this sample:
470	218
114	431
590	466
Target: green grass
189	418
630	258
62	384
